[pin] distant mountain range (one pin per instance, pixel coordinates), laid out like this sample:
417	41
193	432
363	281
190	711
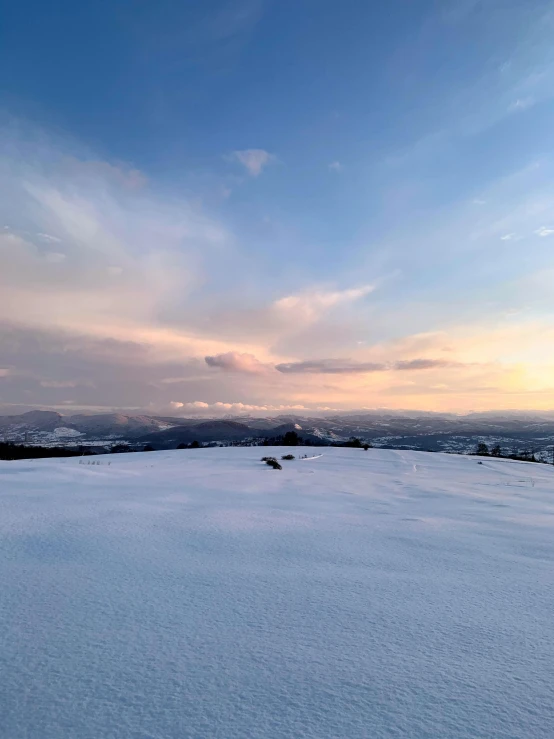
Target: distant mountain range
532	431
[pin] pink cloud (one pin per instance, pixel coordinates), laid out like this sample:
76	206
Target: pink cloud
235	362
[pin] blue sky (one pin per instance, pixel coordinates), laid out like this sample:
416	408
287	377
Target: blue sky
327	187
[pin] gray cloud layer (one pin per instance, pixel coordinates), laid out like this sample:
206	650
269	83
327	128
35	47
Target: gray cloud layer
55	368
235	362
338	367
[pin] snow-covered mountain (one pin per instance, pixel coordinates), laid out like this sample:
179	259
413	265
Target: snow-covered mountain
202	594
48	427
420	431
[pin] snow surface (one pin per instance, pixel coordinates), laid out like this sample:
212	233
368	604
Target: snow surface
62	432
203	594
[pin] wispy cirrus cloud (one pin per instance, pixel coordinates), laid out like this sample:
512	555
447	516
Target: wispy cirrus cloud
123	254
48	238
522	104
117	173
311	304
211	35
544	231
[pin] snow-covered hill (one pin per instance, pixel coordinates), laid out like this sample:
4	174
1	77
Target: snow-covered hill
202	594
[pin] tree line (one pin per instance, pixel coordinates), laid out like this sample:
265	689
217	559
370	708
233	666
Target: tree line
11	451
482	450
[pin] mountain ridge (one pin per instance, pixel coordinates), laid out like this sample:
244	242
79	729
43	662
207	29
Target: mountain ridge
433	432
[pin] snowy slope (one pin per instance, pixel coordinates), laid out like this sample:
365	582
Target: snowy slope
202	594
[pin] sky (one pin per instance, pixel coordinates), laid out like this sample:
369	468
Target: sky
259	206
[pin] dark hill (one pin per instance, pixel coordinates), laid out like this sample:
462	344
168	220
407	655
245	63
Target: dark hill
207	431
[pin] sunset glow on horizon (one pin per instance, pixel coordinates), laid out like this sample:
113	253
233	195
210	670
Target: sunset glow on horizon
260	210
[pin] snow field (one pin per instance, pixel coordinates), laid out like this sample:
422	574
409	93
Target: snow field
199	593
